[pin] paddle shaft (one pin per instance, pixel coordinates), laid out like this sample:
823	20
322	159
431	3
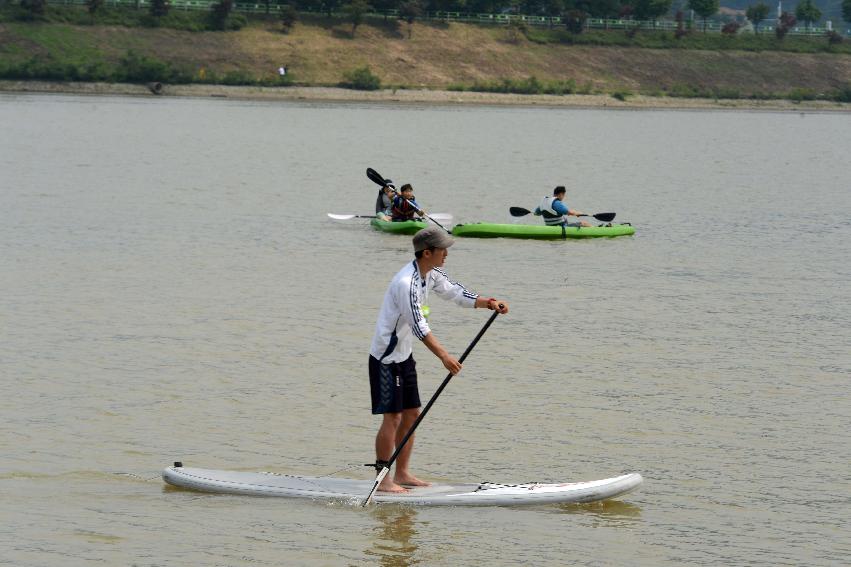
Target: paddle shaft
422	415
521	212
439	390
426	216
378	179
335	216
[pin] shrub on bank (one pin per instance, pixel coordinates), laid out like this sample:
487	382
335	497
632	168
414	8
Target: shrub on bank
843	94
238	77
48	69
360	79
133	67
138	68
800	94
529	85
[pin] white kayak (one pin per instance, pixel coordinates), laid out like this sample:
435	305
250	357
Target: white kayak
439	494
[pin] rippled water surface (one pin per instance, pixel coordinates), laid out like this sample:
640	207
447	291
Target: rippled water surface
173	290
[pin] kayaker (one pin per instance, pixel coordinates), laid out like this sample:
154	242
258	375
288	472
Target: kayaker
384	200
405	205
392	369
555	211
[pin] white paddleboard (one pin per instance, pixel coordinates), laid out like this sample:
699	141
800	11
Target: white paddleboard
439	494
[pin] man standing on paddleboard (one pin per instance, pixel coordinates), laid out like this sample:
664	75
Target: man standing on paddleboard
392	369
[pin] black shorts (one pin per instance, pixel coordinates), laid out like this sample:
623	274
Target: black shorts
393	386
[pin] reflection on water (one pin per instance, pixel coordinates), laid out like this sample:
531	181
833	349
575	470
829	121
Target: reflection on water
605	510
394	530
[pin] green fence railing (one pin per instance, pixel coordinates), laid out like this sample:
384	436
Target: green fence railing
500	19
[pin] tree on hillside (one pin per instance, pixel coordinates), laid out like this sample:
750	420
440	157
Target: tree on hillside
846	10
34	8
808	12
680	18
600	8
553	9
574	20
409	11
705	9
94	6
219	14
482	6
756	13
328	6
289	16
159	8
355	11
651	9
626	11
731	28
785	23
445	6
384	6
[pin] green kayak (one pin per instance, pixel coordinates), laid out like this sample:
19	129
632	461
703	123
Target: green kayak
404	227
539	231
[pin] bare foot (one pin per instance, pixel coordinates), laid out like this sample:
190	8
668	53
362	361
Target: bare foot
388	485
410	480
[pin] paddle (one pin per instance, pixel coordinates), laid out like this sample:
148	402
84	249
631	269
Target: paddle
420	417
521	212
441	216
347	217
376	178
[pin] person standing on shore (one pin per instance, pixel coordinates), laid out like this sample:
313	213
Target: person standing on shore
392	369
555	211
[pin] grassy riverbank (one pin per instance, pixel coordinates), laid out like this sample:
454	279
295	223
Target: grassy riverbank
451	56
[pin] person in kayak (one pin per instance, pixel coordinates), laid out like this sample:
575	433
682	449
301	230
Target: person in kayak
405	205
555	211
384	201
392	369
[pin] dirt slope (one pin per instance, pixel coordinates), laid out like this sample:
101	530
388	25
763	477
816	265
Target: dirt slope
440	55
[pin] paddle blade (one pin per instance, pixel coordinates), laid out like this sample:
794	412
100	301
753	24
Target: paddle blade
518	211
374	176
342	217
378	480
605	217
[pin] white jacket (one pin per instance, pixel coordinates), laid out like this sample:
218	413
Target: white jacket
401	317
